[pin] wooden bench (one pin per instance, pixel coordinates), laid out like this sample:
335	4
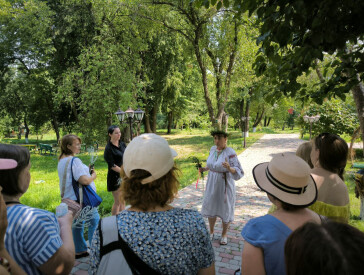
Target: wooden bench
47	148
358	165
31	147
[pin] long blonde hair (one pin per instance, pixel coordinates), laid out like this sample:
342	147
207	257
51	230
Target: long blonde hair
65	141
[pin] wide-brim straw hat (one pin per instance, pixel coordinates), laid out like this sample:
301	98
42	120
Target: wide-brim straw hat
287	177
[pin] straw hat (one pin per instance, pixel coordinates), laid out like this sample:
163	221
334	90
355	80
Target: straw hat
287	177
149	152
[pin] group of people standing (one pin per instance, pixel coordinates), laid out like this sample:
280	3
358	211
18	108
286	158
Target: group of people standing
176	241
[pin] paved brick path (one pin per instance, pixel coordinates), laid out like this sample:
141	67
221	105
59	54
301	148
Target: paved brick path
250	202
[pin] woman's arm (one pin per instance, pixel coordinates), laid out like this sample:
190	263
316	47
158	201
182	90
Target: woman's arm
116	168
63	260
14	268
109	158
86	180
226	164
252	260
80	174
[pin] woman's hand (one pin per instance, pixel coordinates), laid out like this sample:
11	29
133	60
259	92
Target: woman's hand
226	165
93	174
203	169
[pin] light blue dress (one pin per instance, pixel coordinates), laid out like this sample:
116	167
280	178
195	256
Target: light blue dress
270	234
219	197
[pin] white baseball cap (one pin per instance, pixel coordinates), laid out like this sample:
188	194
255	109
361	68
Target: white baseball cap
6	164
149	152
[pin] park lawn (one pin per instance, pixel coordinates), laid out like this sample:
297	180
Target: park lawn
44	190
350	182
44	185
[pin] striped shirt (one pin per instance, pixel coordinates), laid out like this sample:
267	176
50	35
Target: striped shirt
32	236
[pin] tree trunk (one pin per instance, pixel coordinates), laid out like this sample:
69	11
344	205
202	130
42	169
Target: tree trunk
196	47
269	119
318	71
55	128
247	109
241	113
358	94
147	121
170	122
225	122
26	130
258	119
154	118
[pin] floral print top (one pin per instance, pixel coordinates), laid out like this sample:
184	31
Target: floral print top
175	241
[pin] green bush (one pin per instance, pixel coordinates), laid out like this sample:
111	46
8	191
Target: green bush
336	117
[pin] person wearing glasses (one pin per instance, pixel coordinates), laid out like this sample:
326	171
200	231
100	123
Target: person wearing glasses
329	156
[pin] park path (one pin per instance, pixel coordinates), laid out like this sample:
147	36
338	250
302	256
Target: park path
250	201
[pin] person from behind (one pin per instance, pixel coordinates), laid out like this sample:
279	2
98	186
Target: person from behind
331	248
7	263
329	156
34	238
304	152
289	186
169	240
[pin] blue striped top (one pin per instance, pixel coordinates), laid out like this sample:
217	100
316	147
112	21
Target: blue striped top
32	236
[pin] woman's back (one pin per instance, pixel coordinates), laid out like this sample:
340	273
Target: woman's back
270	232
175	241
331	188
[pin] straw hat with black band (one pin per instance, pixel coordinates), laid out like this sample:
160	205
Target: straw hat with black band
287	177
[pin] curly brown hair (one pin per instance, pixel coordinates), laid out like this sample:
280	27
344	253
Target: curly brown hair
156	193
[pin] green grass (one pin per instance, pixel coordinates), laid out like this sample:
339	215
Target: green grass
354	202
44	184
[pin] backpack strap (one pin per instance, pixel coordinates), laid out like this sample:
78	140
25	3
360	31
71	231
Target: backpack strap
80	191
109	235
110	240
64	179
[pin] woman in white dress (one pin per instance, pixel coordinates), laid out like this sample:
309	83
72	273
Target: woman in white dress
219	199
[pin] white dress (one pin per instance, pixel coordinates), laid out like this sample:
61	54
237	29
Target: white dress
219	197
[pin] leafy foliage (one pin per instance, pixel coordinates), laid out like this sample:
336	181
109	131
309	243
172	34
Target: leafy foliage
336	117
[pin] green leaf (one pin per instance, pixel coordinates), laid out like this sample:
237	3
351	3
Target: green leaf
226	3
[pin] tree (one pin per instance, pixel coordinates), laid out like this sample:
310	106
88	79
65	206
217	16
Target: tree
294	34
214	38
304	31
335	116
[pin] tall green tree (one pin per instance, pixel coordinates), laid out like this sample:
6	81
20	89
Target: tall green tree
294	34
213	38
